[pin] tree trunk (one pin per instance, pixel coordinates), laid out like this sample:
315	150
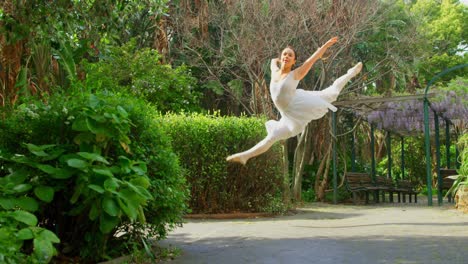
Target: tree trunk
286	178
11	54
298	168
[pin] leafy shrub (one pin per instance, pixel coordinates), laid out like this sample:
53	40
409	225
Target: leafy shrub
140	72
204	141
462	177
86	168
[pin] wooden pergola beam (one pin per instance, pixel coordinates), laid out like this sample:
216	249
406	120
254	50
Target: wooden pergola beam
358	101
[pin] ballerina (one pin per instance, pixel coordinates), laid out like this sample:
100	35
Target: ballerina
296	106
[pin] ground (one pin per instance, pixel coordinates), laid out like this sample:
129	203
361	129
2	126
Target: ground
326	234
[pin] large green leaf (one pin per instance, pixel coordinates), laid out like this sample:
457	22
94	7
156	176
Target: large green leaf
77	193
84	138
98	128
23	187
80	124
107	223
110	206
44	193
128	208
104	172
48	235
111	184
27	203
140	168
141	214
38	150
142	192
23	159
96	188
93	212
24	217
141	181
56	173
25	234
17	176
94	101
122	111
93	157
77	163
43	250
7	203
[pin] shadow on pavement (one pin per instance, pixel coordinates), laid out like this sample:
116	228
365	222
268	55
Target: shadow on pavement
353	250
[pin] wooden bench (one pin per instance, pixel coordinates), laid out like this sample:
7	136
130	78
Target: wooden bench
405	187
385	185
447	183
356	183
360	184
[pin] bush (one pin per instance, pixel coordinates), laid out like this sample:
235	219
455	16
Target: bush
85	168
140	72
203	142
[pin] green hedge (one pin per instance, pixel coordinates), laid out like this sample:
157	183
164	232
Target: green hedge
204	141
77	170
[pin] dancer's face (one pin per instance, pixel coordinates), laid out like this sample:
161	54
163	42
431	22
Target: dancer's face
288	57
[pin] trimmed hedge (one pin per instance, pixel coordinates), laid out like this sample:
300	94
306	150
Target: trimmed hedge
204	141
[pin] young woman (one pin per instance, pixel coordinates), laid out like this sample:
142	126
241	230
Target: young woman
296	106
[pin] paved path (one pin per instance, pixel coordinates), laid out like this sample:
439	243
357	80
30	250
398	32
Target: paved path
330	234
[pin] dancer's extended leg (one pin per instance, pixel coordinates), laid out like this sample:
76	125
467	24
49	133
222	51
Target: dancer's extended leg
276	131
256	150
331	93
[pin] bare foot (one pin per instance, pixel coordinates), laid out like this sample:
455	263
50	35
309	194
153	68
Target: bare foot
237	158
356	69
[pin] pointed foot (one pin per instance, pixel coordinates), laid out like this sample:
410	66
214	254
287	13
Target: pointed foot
237	158
356	69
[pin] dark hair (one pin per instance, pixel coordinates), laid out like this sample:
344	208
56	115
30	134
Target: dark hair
290	47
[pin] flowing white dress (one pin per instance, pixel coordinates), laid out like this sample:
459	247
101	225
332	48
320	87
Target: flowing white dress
297	108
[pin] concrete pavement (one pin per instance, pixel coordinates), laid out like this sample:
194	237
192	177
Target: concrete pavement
326	234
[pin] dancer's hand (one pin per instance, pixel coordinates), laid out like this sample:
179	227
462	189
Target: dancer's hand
331	41
274	66
276	61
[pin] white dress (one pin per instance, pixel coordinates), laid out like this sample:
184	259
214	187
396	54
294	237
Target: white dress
297	108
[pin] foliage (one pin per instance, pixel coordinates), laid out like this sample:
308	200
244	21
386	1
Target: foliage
18	228
444	27
43	42
308	195
388	49
462	177
141	73
203	142
87	168
444	23
342	195
415	167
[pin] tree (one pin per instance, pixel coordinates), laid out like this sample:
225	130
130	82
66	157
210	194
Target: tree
444	27
43	42
233	58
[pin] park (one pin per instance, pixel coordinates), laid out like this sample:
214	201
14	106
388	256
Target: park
196	131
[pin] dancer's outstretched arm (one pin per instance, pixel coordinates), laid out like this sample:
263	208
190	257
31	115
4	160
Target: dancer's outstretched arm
274	65
302	71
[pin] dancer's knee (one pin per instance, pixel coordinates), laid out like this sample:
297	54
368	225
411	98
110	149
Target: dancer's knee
271	139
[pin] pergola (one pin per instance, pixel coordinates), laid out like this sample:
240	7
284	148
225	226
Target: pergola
422	115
